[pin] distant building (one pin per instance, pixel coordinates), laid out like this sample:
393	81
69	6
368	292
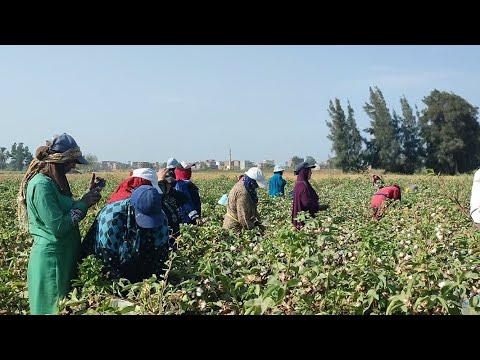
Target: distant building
211	164
246	164
113	166
141	164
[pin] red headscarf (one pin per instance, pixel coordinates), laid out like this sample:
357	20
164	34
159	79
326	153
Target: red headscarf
125	188
183	174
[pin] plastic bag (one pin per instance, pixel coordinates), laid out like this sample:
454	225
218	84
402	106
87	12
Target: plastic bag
223	200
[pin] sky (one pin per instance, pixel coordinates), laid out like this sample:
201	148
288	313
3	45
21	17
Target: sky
150	103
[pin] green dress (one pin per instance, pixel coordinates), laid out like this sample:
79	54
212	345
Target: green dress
56	248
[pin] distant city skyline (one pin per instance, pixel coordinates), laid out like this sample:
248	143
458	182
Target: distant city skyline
150	103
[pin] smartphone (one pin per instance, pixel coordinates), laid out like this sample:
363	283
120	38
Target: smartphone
100	184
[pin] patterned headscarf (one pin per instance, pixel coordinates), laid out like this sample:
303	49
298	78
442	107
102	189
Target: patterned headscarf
250	186
51	164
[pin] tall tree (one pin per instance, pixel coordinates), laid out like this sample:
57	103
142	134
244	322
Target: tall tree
384	146
93	164
309	159
412	150
4	156
296	160
28	157
354	149
17	156
338	135
450	128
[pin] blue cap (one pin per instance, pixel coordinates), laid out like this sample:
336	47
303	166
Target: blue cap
147	203
65	142
302	166
172	163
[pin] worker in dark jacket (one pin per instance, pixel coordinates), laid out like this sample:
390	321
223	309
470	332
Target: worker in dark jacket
192	209
305	197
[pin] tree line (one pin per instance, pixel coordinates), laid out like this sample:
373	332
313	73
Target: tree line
444	136
17	158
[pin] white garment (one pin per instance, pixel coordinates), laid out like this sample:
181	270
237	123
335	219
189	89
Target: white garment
148	174
475	198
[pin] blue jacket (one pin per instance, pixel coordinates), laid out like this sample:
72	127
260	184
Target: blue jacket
277	185
192	209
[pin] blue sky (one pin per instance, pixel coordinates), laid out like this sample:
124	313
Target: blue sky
149	103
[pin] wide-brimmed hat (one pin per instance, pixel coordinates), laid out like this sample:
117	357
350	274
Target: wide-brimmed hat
301	166
148	174
256	174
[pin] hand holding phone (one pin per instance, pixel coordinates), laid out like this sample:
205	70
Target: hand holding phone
100	183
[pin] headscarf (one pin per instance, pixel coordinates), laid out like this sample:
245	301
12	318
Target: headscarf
250	186
183	174
125	188
50	164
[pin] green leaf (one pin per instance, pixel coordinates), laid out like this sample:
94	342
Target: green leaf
320	241
372	294
471	275
383	280
292	283
443	302
127	309
267	303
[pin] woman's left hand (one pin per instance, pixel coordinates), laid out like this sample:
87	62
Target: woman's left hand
94	180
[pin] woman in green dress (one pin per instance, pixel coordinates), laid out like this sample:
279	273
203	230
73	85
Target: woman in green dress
51	215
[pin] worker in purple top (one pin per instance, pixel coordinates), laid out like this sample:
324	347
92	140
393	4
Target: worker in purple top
305	197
